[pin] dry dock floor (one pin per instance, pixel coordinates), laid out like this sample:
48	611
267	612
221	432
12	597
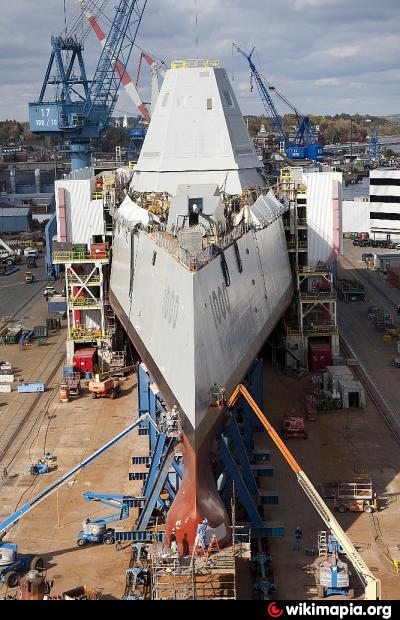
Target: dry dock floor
340	445
71	432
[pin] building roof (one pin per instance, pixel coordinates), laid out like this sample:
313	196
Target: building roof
14	211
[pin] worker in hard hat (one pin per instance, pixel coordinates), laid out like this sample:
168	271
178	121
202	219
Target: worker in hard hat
215	393
172	541
201	531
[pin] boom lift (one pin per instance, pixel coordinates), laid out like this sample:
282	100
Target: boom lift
96	530
12	563
304	144
371	585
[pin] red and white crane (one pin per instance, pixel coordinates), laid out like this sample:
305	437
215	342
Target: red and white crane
157	70
127	81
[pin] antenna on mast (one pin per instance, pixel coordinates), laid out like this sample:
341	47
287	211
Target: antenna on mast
196	26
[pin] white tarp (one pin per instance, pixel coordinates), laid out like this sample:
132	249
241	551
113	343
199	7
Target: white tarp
264	211
134	213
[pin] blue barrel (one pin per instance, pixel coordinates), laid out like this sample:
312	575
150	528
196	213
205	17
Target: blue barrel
68	370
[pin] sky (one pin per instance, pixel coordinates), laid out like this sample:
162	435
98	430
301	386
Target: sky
326	56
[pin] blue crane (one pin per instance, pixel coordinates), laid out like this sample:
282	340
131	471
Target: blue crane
374	147
82	108
304	145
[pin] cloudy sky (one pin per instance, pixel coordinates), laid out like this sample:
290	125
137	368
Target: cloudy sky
326	56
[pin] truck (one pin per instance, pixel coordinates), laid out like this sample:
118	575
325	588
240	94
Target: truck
31	261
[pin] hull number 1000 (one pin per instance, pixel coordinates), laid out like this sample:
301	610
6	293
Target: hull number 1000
220	306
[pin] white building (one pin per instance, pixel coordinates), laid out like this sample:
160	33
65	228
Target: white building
355	215
384	194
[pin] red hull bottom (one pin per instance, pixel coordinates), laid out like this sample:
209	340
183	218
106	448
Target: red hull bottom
198	498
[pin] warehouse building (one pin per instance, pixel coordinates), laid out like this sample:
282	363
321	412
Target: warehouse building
384	195
15	219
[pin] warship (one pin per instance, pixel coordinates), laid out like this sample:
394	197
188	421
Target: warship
200	273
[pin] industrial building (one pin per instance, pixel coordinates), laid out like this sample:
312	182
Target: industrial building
314	238
384	197
15	219
379	213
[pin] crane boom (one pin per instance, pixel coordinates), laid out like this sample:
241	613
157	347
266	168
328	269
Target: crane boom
117	49
54	486
265	96
127	81
371	585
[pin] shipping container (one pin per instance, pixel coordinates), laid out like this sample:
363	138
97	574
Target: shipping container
393	276
30	387
98	250
13	334
6	378
57	305
319	355
84	360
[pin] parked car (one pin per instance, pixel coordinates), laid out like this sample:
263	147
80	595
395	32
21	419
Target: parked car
396	362
397	246
374	243
31	252
366	256
356	242
49	291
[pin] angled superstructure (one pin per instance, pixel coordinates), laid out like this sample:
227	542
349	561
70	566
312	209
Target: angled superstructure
200	273
197	134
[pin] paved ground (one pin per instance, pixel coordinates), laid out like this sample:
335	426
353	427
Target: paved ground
368	344
13	290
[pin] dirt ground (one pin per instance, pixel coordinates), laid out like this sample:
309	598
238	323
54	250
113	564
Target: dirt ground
70	431
340	445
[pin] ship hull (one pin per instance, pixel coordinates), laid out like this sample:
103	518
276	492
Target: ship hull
196	328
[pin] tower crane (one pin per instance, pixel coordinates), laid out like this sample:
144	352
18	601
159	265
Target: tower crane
304	145
371	584
374	147
82	108
127	81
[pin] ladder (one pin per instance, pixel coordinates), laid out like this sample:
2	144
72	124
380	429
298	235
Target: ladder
322	543
198	549
213	546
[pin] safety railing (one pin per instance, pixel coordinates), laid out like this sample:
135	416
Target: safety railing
76	257
84	334
320	329
84	302
93	281
221	240
318	296
195	62
314	269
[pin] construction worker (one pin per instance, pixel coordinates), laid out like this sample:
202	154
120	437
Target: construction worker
201	532
215	395
172	542
298	535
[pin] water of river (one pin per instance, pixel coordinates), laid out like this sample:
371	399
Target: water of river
358	189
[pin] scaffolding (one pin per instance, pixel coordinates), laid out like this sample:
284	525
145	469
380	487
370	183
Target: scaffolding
313	313
186	578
